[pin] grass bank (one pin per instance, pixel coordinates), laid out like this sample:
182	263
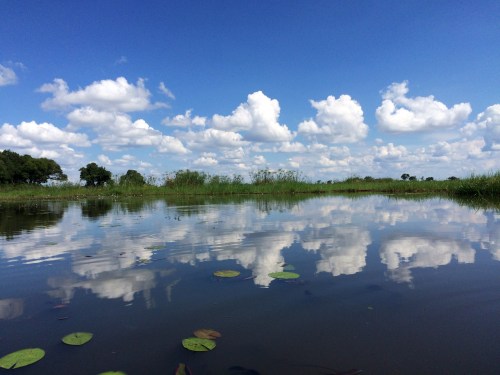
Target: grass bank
482	186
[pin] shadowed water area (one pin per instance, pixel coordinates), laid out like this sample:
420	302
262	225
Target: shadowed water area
387	286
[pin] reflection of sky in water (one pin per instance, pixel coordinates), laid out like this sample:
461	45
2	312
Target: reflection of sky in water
105	252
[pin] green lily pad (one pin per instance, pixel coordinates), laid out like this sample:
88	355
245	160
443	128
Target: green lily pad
196	344
21	358
284	275
112	373
226	273
77	338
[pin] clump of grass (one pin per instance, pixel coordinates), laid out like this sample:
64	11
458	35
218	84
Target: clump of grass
479	186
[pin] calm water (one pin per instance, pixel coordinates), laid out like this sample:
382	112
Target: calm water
387	286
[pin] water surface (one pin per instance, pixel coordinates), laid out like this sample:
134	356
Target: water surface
386	285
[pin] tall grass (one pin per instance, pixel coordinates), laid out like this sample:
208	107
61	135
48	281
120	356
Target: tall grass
186	182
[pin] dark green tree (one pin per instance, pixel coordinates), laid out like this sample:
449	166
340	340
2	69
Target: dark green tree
412	178
93	175
17	169
132	177
429	179
405	176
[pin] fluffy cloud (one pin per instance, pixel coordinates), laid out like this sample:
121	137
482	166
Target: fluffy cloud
487	124
398	113
206	160
258	118
210	139
29	134
337	121
117	130
389	152
7	76
107	95
185	120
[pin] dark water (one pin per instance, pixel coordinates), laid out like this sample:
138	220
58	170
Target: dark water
387	286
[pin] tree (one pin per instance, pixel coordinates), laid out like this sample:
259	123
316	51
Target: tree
453	178
93	175
429	179
405	176
412	178
132	177
17	169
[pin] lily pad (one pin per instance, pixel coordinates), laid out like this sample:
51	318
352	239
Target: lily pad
196	344
77	338
21	358
206	333
112	373
284	275
226	273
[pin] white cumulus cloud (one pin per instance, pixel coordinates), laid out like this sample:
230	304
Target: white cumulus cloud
117	130
487	124
185	120
210	139
107	95
337	121
29	134
257	118
399	113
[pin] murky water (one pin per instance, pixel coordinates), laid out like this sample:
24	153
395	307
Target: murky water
386	286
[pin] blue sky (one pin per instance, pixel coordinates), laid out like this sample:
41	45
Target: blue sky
329	88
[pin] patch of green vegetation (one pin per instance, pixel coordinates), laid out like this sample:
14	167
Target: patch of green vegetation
193	183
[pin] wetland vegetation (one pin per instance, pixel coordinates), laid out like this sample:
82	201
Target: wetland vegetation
187	182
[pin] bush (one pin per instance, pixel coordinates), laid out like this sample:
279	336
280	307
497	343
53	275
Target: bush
186	178
266	176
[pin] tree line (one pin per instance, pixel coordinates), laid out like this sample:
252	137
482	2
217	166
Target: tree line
25	169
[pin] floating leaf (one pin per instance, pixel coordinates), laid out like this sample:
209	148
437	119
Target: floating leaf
112	373
206	333
155	247
77	338
21	358
226	273
196	344
182	369
284	275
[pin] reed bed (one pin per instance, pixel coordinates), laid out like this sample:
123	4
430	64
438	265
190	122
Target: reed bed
275	183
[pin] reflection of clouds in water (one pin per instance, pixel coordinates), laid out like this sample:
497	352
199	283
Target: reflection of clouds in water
65	237
400	255
494	235
122	284
342	249
11	308
262	255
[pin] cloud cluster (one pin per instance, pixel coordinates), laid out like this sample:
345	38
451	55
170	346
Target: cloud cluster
185	120
399	113
257	118
487	124
337	121
108	95
327	146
